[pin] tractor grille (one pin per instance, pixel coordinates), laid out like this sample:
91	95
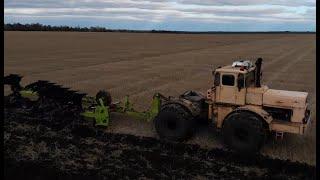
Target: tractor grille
279	113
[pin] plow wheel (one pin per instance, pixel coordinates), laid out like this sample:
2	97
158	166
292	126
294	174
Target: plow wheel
105	96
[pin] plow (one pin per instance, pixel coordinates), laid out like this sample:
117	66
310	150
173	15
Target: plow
92	109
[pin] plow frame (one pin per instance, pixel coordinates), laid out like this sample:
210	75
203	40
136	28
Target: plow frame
100	113
148	115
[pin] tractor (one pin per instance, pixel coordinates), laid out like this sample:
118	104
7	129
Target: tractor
243	110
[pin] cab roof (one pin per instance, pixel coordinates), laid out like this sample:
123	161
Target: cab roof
236	70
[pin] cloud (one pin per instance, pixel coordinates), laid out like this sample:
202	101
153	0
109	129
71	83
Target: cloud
161	11
252	2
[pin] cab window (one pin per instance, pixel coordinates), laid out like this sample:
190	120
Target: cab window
228	80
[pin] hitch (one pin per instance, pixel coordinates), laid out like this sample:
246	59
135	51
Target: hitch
146	115
101	113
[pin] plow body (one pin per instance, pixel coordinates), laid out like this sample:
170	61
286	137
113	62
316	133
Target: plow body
90	108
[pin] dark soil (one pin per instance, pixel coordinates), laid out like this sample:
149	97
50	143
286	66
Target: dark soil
36	148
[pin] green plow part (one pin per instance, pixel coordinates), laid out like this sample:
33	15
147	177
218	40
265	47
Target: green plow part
101	113
147	115
29	94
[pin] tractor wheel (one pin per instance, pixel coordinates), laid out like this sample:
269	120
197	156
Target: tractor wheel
174	123
105	96
244	132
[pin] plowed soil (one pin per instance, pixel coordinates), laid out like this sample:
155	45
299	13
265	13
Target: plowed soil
36	149
140	65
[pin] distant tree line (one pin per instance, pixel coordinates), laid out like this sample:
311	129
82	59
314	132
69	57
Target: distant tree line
41	27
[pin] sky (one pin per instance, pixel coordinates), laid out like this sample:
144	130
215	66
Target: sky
176	15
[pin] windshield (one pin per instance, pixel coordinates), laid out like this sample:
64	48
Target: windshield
249	80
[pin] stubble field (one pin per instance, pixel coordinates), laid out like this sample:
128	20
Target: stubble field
141	64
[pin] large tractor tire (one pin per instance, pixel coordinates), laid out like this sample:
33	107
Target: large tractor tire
244	132
174	123
105	96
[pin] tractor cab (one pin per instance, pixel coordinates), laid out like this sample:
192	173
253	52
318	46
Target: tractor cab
231	82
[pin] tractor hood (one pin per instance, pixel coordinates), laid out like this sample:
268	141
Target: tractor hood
281	98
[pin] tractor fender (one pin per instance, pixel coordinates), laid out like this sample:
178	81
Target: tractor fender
191	107
256	110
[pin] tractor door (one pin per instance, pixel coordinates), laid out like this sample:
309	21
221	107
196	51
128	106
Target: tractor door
231	90
227	88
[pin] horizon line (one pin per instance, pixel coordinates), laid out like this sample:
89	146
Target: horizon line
106	29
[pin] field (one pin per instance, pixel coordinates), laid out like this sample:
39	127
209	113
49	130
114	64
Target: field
141	64
35	147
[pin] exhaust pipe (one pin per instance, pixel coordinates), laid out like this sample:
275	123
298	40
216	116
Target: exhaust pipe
258	72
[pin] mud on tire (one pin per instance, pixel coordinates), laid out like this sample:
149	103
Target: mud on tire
244	132
174	123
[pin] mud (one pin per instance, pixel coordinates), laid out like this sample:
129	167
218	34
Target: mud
36	148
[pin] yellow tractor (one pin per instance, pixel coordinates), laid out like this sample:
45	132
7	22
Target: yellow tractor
239	105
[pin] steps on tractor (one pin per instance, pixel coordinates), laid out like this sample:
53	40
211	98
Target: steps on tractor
279	135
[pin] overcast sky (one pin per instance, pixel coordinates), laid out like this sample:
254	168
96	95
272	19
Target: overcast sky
185	15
